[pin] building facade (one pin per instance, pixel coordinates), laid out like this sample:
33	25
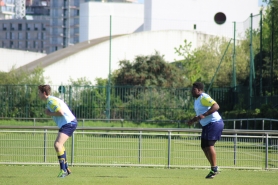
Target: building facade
46	26
41	25
30	35
7	9
64	24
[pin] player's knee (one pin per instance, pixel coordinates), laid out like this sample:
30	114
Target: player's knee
57	145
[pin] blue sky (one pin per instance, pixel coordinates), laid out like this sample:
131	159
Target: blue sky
261	2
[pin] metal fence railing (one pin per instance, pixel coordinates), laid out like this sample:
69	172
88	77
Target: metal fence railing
242	149
246	123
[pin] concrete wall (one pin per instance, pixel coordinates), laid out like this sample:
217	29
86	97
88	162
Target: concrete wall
16	58
93	62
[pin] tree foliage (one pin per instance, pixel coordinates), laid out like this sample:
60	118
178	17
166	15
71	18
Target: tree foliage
191	68
202	63
270	44
19	77
150	70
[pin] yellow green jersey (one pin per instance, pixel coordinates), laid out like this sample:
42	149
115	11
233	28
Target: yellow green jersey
201	105
55	104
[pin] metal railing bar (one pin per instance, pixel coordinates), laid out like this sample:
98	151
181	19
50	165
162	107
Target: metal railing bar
225	131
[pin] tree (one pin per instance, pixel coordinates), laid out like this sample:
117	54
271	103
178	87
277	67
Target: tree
270	41
15	77
202	63
150	70
18	93
191	69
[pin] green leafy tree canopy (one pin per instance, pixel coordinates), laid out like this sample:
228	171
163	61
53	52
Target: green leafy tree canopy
150	70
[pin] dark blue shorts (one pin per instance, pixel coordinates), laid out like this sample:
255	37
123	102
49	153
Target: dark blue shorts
68	128
213	130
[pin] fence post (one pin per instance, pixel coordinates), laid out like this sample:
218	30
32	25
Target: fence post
169	149
72	149
235	143
261	53
234	59
70	98
251	72
34	123
140	147
266	152
83	127
234	124
44	144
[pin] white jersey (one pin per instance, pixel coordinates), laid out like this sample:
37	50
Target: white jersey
55	104
201	105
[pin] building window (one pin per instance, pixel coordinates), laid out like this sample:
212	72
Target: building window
20	27
28	35
13	35
20	35
5	26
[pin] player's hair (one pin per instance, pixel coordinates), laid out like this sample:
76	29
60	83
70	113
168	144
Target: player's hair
45	88
198	85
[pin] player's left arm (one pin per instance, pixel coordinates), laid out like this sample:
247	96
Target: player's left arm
57	110
58	113
209	102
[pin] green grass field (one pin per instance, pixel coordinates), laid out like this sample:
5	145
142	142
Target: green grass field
44	175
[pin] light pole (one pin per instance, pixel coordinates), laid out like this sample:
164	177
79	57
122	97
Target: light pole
108	89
